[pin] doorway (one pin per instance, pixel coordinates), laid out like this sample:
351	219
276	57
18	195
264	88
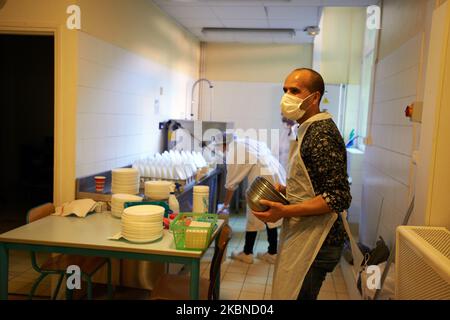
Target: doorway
27	131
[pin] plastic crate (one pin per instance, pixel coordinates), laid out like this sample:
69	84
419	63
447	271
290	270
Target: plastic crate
188	237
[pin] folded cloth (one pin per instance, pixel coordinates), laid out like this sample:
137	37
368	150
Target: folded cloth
79	208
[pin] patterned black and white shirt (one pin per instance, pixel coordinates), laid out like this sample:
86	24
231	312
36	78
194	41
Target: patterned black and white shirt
324	154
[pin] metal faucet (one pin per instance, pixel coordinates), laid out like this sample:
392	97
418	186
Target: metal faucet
193	89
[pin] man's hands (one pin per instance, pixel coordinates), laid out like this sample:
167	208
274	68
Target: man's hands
275	212
280	188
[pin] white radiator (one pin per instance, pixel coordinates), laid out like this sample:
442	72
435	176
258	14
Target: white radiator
422	263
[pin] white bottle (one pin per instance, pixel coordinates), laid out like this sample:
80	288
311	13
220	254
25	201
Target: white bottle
200	199
173	201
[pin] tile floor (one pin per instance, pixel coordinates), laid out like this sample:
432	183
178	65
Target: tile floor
239	281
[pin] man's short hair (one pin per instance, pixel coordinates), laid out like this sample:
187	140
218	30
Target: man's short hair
315	83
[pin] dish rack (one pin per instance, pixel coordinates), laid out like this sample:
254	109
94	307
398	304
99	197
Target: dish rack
189	237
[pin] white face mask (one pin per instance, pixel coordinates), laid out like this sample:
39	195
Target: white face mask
291	106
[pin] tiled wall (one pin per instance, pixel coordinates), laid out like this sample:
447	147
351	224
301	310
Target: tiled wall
388	174
355	159
117	120
250	105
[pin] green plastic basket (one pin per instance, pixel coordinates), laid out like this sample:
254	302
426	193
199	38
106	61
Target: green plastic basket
192	238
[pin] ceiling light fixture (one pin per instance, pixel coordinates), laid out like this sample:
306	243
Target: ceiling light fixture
312	30
288	32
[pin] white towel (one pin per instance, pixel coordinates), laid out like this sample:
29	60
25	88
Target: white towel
79	208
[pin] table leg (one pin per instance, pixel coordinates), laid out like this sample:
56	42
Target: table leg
4	266
217	287
195	279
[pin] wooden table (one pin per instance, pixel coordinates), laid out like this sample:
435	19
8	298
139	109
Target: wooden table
89	236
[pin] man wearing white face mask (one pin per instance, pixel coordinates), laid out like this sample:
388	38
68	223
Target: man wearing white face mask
314	225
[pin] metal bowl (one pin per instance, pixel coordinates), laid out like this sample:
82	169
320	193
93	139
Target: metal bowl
260	189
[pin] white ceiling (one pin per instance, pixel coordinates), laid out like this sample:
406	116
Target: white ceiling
292	14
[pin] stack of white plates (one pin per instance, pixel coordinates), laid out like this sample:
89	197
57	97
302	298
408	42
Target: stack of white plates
125	180
158	190
143	223
118	200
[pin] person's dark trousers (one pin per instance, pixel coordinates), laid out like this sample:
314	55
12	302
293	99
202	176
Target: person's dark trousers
326	260
272	238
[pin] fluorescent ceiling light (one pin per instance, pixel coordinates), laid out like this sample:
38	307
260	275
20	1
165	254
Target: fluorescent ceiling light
249	31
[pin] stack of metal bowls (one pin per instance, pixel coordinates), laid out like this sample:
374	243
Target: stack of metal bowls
262	189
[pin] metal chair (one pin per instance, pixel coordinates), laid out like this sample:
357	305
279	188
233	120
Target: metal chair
58	265
176	287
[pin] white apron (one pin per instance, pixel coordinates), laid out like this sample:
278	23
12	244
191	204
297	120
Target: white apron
301	237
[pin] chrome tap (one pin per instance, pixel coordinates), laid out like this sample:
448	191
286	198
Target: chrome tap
193	89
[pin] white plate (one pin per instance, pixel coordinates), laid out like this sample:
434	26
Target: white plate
142	234
123	171
144	210
158	197
142	226
147	219
116	214
125	181
125	197
145	234
125	188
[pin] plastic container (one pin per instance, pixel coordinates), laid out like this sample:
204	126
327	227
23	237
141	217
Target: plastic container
200	201
187	236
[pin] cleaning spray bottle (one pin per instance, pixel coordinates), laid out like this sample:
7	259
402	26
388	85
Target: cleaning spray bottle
173	202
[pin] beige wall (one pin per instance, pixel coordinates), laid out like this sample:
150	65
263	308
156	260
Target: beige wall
254	62
433	174
142	28
49	16
341	45
401	21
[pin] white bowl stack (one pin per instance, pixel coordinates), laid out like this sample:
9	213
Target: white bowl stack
125	180
118	201
157	190
143	223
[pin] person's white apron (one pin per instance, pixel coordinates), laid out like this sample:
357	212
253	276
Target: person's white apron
301	237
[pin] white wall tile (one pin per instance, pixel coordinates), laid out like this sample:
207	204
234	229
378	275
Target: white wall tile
400	85
401	59
387	168
116	93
